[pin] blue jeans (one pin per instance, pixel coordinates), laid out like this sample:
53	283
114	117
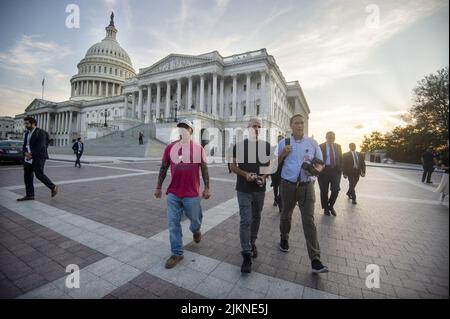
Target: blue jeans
175	207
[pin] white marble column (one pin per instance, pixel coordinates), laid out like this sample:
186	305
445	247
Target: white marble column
79	122
133	105
56	127
106	89
100	90
202	93
125	106
189	99
149	103
234	108
208	99
264	110
140	103
214	95
221	98
70	122
178	93
248	85
158	99
167	111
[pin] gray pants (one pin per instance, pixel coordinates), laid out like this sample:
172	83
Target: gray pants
250	208
304	195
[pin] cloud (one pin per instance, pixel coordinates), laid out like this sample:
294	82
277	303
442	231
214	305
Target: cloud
335	42
32	57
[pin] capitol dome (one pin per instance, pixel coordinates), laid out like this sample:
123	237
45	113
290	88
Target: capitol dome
103	70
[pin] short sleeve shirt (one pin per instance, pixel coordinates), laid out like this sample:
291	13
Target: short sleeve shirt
302	150
185	162
250	159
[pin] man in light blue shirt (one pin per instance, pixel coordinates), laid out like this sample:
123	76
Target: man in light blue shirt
296	154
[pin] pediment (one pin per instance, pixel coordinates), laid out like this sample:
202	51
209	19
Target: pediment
173	62
36	104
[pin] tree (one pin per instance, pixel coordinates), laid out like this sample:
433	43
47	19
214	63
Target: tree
375	141
432	103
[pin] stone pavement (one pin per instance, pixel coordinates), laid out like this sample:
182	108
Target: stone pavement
106	221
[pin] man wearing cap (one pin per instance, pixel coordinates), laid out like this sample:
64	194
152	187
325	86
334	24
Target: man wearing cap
185	159
251	163
299	153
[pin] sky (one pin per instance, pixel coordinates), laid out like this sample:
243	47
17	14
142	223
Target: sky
356	60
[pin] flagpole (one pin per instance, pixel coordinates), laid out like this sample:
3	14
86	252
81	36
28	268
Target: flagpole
43	85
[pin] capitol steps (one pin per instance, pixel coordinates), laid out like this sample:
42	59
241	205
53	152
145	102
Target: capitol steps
120	143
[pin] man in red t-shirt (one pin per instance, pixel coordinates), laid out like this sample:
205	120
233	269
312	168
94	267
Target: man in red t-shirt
185	159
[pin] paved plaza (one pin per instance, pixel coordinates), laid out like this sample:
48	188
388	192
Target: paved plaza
106	220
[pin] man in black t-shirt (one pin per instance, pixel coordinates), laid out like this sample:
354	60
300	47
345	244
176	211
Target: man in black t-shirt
251	163
428	162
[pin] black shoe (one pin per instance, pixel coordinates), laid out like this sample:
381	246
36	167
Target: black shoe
55	191
284	245
354	202
317	267
254	251
429	182
25	198
326	212
197	237
247	263
332	211
349	196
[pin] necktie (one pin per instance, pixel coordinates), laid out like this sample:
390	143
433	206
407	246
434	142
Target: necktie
355	159
331	156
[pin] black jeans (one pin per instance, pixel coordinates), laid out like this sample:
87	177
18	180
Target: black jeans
353	179
37	167
329	176
427	171
77	162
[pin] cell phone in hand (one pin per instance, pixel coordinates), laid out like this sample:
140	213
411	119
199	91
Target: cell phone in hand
288	142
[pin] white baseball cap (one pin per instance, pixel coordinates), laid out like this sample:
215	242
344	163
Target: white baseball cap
186	122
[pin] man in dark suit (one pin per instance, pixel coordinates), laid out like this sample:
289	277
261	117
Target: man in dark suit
428	160
331	174
354	166
35	153
78	148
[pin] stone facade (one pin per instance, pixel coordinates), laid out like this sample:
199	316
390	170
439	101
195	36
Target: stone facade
210	90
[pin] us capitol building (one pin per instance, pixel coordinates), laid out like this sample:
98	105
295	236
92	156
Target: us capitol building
208	89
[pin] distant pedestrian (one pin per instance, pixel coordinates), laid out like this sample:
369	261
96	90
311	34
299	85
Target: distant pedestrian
141	138
353	166
78	148
428	161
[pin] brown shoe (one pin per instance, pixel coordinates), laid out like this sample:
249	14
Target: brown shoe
197	237
25	198
54	191
173	261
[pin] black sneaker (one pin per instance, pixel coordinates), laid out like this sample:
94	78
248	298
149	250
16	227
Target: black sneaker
317	267
284	245
332	211
326	212
246	264
254	251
